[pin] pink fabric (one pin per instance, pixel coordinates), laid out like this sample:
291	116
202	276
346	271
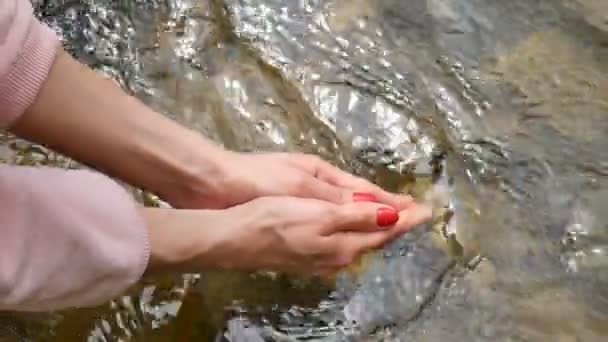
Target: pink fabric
27	51
67	238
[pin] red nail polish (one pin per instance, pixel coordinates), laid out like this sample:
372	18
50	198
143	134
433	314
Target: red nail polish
364	197
387	217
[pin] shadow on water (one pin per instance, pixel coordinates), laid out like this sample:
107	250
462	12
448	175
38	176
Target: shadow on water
492	111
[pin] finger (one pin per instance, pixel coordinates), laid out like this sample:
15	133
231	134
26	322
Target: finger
349	245
310	187
323	170
397	201
361	217
362	243
334	176
411	217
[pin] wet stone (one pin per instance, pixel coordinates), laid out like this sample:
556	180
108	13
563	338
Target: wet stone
492	109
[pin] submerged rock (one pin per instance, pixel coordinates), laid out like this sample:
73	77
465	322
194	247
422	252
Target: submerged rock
489	110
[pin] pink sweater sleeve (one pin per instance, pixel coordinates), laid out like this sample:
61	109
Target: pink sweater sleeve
67	238
27	51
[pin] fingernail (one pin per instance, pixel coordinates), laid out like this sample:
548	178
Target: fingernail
387	217
364	197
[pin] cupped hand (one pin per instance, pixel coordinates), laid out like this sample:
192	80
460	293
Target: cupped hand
247	176
305	236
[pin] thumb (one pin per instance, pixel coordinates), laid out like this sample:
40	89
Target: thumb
362	217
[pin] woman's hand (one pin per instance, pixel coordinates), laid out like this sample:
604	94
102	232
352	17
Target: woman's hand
287	234
247	176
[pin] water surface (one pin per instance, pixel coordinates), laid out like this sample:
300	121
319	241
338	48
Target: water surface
493	109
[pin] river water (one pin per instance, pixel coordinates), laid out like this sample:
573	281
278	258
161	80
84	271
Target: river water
493	111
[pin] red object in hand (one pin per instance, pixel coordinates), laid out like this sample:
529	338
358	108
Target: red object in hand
387	217
364	197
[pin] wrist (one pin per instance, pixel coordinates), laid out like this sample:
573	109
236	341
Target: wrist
168	249
189	172
192	241
180	240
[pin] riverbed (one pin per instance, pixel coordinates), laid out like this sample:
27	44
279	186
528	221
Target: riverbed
494	111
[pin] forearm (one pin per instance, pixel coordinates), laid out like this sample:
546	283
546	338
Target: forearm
92	120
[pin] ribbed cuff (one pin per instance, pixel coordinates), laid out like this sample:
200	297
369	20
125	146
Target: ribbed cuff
21	85
145	251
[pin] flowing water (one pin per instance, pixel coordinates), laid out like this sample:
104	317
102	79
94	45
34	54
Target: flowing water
494	111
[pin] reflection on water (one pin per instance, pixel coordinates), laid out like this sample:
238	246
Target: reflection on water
493	111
